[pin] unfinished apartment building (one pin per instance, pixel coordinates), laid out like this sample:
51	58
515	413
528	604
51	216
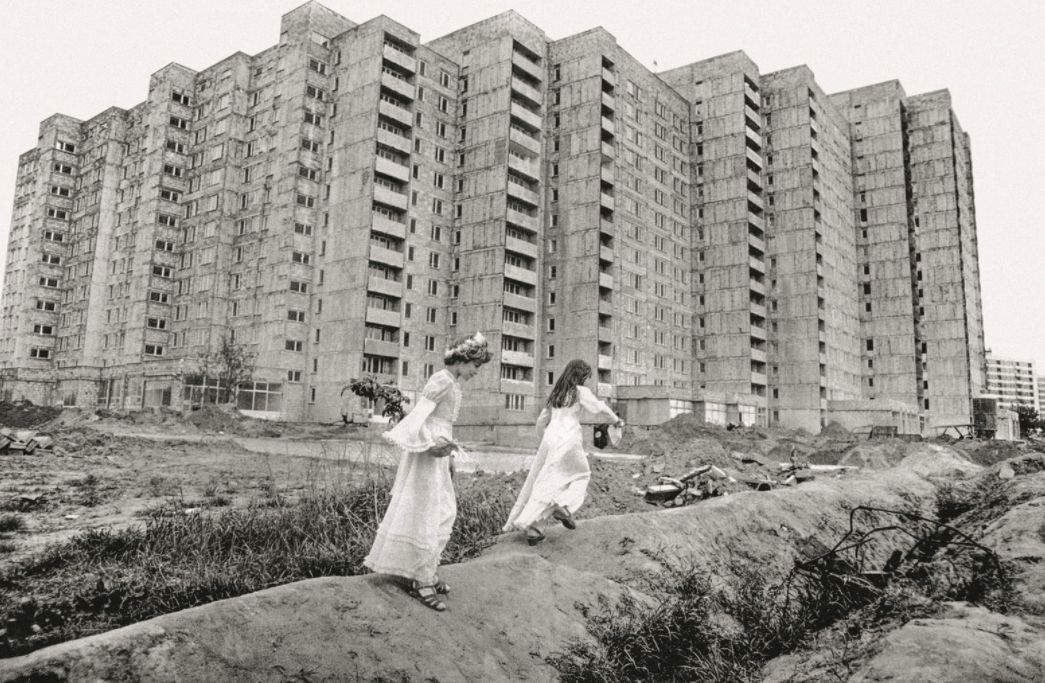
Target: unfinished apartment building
708	239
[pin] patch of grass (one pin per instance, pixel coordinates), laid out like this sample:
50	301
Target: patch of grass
103	579
11	523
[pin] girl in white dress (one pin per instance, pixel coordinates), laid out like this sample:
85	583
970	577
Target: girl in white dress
420	515
559	476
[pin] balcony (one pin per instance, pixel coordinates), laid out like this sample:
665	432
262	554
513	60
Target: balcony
521	192
527	67
754	177
609	76
523	303
523	220
756	242
607	227
605	362
380	285
526	167
526	116
758	309
752	114
396	113
526	92
757	221
399	86
758	378
758	331
390	139
605	307
757	287
605	280
822	357
392	169
752	94
521	247
381	316
753	156
607	126
609	101
386	256
525	141
606	174
758	355
400	59
517	358
386	226
523	330
608	151
520	274
390	197
753	198
606	254
607	201
376	347
753	136
605	333
814	126
756	263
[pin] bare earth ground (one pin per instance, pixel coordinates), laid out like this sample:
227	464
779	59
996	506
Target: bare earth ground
102	475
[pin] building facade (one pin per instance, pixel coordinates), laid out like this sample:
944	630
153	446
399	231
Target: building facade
349	200
1013	382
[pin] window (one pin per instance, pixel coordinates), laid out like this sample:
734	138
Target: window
431	315
60	191
293	345
39	353
43	329
313	118
298	286
317	66
42	305
303	229
433	260
163	271
296	316
62	168
294	376
156	323
51	282
165	245
58	214
301	257
514	402
153	350
170	195
53	259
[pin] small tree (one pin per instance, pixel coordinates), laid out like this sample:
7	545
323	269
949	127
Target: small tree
231	365
369	387
1030	420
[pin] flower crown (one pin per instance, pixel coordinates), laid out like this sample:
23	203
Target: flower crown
468	347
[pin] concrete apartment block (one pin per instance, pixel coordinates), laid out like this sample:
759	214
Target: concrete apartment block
1041	393
348	201
1013	382
728	231
814	356
948	316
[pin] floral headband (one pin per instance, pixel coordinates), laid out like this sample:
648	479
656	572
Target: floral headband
471	346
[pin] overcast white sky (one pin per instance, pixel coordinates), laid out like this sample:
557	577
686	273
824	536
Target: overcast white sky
79	58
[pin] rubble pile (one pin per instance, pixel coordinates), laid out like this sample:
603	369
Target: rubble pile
23	441
752	471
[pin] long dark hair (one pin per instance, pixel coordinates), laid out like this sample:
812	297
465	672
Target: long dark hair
564	393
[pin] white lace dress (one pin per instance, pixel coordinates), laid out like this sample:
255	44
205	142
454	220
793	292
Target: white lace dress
420	516
560	472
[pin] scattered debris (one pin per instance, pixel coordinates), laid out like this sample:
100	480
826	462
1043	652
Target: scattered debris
23	440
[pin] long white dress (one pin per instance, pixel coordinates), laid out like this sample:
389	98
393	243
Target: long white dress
421	513
560	472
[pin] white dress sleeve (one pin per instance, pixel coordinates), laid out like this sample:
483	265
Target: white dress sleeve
593	406
412	433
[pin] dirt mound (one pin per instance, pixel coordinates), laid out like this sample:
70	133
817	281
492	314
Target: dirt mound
214	419
25	414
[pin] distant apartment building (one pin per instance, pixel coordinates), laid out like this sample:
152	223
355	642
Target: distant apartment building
1013	382
347	201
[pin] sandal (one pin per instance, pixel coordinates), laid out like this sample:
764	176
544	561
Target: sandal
563	515
441	587
534	539
428	595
